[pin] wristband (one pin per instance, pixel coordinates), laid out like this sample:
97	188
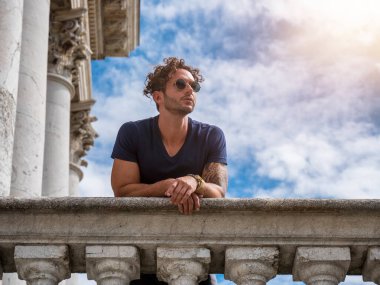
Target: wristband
200	190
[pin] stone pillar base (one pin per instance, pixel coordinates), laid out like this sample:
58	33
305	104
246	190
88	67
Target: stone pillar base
183	266
112	265
251	265
321	265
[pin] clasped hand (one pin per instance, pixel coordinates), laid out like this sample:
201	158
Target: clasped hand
182	193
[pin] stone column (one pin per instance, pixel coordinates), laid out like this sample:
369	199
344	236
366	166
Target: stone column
57	136
42	265
10	42
251	265
371	268
112	265
66	49
183	266
82	137
29	138
321	265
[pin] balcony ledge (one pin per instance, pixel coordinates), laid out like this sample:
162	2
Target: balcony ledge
149	223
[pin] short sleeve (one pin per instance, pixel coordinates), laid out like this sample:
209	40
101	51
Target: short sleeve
217	146
126	143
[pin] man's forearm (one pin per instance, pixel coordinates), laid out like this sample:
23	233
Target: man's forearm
144	190
211	190
216	177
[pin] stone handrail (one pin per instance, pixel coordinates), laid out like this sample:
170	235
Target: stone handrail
249	240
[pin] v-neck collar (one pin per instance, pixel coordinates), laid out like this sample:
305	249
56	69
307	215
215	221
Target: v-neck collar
161	143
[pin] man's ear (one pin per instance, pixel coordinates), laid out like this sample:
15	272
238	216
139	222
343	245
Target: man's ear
157	97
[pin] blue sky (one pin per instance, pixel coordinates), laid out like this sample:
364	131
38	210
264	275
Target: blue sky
293	84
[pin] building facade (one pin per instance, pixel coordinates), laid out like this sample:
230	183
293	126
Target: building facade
45	87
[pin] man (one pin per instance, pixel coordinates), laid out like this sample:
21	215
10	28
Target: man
171	155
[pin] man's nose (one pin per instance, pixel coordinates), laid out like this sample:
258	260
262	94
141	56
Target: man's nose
188	88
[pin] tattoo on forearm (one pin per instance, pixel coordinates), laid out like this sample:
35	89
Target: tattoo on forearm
216	173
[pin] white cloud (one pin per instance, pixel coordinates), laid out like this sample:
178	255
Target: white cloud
96	181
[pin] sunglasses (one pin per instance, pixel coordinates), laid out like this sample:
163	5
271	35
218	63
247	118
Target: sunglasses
181	84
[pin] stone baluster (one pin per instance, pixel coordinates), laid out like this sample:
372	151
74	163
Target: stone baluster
42	265
321	265
112	265
183	266
251	265
371	268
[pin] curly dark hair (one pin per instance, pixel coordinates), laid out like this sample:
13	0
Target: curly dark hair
156	80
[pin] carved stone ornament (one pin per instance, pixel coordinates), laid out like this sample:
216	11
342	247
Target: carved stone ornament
82	136
67	42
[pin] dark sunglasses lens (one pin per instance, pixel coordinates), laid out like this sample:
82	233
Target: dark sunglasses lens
196	87
181	84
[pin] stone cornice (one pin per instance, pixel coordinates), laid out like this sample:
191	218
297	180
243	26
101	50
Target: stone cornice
114	27
82	105
96	28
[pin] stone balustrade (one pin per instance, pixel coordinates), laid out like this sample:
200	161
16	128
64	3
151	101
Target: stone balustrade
251	241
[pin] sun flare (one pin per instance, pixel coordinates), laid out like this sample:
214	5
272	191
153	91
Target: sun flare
332	28
344	16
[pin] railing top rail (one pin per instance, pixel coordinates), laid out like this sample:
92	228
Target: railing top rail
208	205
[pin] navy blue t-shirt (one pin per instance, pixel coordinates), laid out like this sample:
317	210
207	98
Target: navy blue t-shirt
141	142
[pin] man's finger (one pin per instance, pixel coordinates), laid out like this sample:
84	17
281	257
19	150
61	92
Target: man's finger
171	188
178	193
190	203
175	193
180	208
197	201
185	208
186	195
178	197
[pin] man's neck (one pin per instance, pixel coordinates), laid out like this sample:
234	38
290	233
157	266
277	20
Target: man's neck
173	128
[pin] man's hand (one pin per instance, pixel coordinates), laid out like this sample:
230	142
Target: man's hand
181	189
191	204
182	194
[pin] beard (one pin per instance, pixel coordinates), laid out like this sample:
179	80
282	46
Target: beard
173	106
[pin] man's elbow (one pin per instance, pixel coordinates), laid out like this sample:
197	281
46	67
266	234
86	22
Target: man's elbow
116	191
222	192
123	191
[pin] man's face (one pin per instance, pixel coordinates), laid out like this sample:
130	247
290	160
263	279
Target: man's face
177	101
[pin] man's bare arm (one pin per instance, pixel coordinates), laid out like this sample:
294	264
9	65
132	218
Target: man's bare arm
125	181
216	177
